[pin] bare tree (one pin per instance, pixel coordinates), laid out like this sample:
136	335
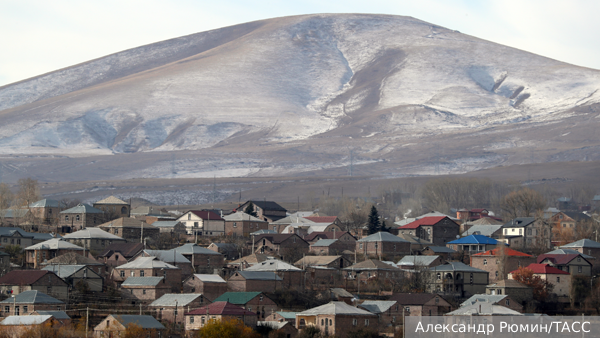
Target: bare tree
29	192
6	198
523	203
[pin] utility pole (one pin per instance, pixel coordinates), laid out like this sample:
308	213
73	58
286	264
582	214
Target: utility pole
87	320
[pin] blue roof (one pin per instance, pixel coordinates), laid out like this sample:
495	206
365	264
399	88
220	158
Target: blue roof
475	239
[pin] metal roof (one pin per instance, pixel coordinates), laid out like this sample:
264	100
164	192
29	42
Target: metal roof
55	314
193	248
440	249
263	231
168	256
32	297
519	222
475	239
324	242
582	243
142	281
209	278
287	314
483	309
242	216
483	298
568	252
259	275
112	200
455	266
11	231
92	233
82	208
45	203
273	265
165	224
147	263
237	298
485	230
64	271
377	306
176	299
143	321
382	237
335	308
417	260
54	244
25	320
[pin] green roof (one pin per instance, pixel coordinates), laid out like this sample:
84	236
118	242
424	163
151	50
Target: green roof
237	298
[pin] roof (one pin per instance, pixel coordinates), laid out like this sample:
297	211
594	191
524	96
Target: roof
142	281
55	314
224	246
272	265
126	222
167	256
22	277
505	252
32	297
275	238
64	271
412	298
259	275
382	237
568	252
221	308
54	244
72	258
582	243
207	215
274	324
238	298
176	299
559	259
268	205
324	242
483	298
127	250
484	309
440	249
423	221
45	203
287	314
209	278
92	233
322	219
543	269
335	308
414	239
112	200
339	292
11	231
485	221
143	321
455	266
475	239
82	208
325	235
15	213
165	224
292	219
508	283
377	306
417	260
316	260
485	230
519	222
250	259
263	231
371	264
25	320
193	248
242	216
150	262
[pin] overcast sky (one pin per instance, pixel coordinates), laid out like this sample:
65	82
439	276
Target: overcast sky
41	36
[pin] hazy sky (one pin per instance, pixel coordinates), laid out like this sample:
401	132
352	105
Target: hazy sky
41	36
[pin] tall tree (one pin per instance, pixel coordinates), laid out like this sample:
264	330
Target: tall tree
250	210
29	192
6	197
522	203
374	224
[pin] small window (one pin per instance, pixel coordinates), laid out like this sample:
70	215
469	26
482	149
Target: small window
234	224
144	291
485	262
7	309
558	279
366	322
122	274
507	302
141	273
579	269
132	273
66	217
354	322
191	319
77	218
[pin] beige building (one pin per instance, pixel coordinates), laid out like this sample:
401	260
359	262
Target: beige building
116	325
220	311
113	207
457	278
80	217
337	318
561	280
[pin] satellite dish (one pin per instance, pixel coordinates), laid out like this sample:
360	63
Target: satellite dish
457	236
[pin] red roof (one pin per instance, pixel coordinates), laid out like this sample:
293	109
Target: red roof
558	258
222	308
208	215
507	252
432	220
544	269
321	219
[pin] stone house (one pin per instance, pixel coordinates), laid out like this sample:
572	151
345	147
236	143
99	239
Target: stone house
115	326
438	230
372	270
29	301
325	219
575	264
203	260
421	304
517	291
144	289
282	316
203	223
559	278
18	281
241	224
419	262
337	318
228	250
211	286
256	302
343	236
291	276
473	244
175	228
17	236
131	229
113	207
389	312
171	307
304	229
74	274
80	217
586	247
265	210
328	247
172	257
383	244
457	278
529	233
22	326
46	210
93	239
503	300
120	253
499	262
280	244
254	281
220	311
444	252
335	262
73	258
37	254
149	267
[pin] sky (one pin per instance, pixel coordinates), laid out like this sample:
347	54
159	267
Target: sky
39	36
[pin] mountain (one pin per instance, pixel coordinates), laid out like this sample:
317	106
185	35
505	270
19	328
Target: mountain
304	95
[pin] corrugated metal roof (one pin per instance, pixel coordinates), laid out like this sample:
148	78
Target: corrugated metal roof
382	237
335	308
417	260
238	298
168	256
25	320
209	278
32	297
142	281
377	306
475	239
55	244
92	233
82	208
582	243
147	263
176	299
145	322
193	248
64	271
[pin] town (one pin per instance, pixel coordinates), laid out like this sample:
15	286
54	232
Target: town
110	269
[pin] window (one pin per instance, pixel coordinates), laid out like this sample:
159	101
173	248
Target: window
579	269
191	319
520	231
322	322
366	322
471	278
143	291
132	273
189	217
354	322
141	273
25	309
485	262
360	246
437	300
439	276
7	309
18	241
77	218
496	274
234	224
66	217
16	310
507	302
122	274
558	279
195	224
579	259
499	291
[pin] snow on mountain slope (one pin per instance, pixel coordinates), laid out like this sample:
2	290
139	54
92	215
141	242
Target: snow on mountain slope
286	80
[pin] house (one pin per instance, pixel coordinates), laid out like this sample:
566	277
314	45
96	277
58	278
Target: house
170	307
113	207
389	312
220	311
531	233
120	253
372	270
444	252
172	257
504	300
79	217
292	277
325	219
328	247
228	250
46	210
337	318
41	252
491	230
265	210
517	291
247	261
473	244
254	281
280	244
383	244
19	326
585	246
203	260
281	328
419	262
203	223
4	263
561	280
416	244
18	281
61	317
116	325
499	261
93	239
305	229
335	262
343	236
27	302
149	267
75	274
421	304
282	316
72	258
211	286
457	278
131	229
438	230
145	289
257	302
575	264
175	228
17	236
242	224
483	309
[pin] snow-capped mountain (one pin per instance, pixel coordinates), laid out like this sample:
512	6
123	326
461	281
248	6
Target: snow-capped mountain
295	94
